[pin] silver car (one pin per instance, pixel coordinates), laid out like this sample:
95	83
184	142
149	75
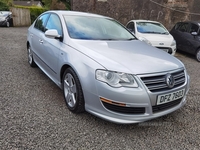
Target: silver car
104	69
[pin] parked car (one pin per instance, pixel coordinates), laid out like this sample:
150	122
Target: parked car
153	33
102	67
6	18
187	35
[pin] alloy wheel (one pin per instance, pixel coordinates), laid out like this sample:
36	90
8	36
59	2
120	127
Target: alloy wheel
70	92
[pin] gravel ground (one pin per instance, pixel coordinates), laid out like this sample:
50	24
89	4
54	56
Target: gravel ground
33	114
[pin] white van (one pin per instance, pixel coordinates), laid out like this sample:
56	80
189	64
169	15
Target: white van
153	33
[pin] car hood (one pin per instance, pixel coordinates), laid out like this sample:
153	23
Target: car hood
133	56
158	39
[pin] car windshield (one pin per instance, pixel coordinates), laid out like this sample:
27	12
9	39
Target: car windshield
151	27
95	28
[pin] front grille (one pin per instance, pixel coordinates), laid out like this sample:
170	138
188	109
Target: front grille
125	110
158	83
158	108
167	49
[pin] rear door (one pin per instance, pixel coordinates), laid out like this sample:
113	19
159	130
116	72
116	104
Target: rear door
37	38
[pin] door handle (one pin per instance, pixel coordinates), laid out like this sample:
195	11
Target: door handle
41	41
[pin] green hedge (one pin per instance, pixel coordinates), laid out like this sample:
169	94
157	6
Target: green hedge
3	6
34	11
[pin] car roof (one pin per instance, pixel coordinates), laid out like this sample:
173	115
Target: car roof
194	22
75	13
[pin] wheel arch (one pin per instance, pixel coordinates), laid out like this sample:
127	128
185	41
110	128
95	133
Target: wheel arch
197	49
64	67
27	44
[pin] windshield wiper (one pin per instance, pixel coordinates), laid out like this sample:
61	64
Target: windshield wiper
165	33
131	39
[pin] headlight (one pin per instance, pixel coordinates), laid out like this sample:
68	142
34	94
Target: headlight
144	40
116	79
173	43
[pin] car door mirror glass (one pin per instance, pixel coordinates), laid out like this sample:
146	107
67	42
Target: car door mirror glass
194	33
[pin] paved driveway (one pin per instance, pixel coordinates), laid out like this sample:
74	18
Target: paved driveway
33	114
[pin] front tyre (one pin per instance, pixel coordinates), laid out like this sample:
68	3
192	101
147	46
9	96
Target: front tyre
198	55
72	91
30	57
8	24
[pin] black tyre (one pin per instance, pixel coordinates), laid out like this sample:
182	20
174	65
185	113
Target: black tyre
72	91
198	55
30	57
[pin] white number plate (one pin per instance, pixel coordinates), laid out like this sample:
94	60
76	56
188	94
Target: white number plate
165	98
166	50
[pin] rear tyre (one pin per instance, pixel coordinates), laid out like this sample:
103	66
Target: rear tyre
30	57
198	55
72	91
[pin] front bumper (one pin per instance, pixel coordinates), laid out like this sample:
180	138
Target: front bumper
140	99
169	49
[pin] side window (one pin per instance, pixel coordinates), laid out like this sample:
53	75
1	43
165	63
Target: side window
177	26
131	27
54	23
183	27
194	28
40	22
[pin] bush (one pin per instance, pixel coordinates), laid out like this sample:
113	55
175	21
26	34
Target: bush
4	7
35	12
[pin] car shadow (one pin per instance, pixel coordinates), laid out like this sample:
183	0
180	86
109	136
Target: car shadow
184	54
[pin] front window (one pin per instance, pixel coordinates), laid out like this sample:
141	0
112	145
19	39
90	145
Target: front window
40	22
194	28
54	23
183	27
95	28
151	27
131	27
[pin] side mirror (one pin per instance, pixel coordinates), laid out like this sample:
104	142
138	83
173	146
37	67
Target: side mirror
194	33
53	34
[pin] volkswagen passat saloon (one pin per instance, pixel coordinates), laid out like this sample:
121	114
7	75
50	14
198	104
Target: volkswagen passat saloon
104	69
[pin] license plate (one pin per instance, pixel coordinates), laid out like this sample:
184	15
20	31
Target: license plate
165	98
166	50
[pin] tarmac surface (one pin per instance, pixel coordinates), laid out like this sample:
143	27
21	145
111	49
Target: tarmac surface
33	114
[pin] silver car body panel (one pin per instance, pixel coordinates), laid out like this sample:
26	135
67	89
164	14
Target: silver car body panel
86	56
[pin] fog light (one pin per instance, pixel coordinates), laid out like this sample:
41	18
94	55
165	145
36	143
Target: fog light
112	102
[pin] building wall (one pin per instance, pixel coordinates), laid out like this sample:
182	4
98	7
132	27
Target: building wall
167	12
